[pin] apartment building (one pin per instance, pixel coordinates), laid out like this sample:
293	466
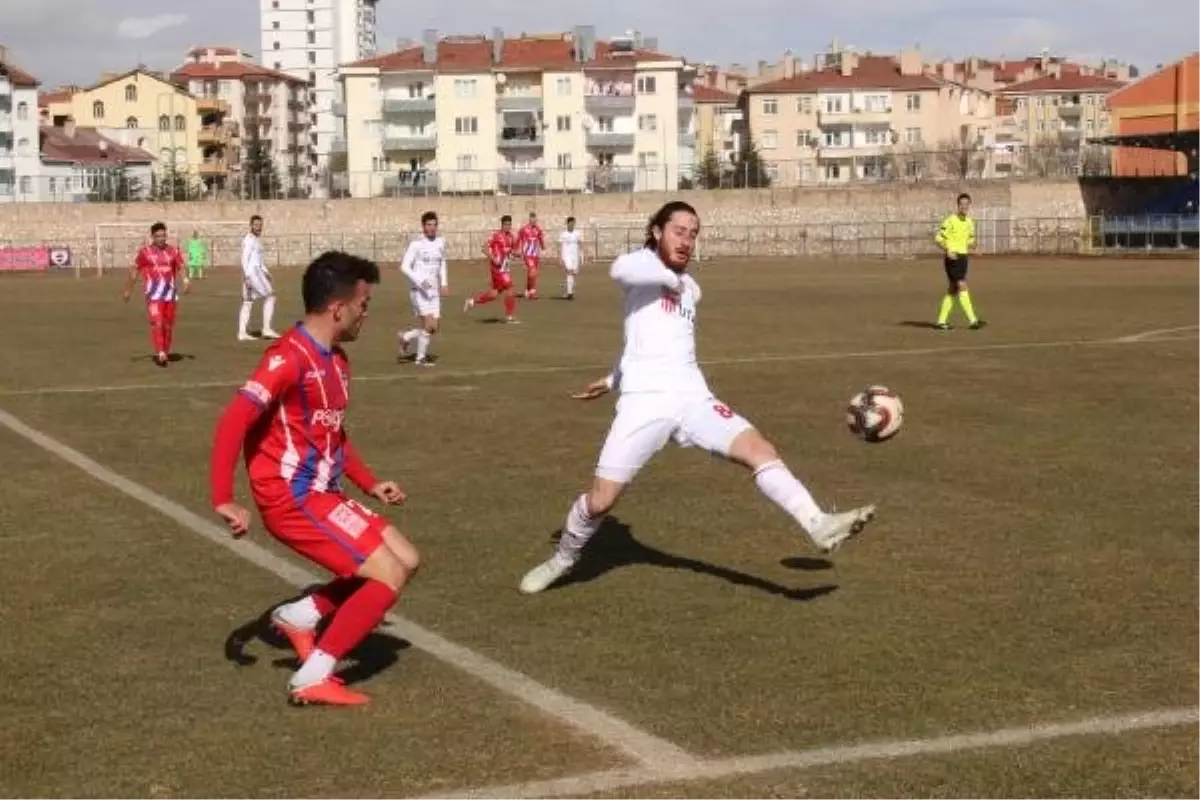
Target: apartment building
244	105
19	165
80	164
718	122
858	116
139	109
1062	109
564	112
309	39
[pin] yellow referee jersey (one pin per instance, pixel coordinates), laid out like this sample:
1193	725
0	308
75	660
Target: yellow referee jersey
956	234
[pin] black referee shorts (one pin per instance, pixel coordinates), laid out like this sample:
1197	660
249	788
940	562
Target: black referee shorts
956	269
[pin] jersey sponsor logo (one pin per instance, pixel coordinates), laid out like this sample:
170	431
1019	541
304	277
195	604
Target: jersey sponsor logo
328	417
258	391
346	518
315	375
275	362
671	304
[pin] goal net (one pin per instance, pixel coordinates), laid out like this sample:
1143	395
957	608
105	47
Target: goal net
118	242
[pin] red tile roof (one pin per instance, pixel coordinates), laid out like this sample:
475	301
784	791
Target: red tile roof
231	70
474	54
711	94
1067	82
871	72
18	77
55	96
85	148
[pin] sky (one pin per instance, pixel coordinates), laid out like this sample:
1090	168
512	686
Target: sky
73	41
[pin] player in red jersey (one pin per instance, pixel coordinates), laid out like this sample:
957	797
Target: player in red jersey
531	241
158	264
499	250
289	419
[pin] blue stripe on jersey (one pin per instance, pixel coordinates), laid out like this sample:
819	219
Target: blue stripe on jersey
301	484
339	467
252	398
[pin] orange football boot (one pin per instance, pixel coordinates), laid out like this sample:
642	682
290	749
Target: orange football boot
329	692
302	640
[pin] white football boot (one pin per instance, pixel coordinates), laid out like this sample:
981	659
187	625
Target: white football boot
836	529
543	575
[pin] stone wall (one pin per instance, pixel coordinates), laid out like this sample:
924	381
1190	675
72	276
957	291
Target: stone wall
891	219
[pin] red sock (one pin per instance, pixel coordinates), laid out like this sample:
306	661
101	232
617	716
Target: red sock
330	596
485	298
168	335
510	305
156	337
357	617
531	282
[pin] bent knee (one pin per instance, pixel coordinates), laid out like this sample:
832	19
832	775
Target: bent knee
751	449
603	496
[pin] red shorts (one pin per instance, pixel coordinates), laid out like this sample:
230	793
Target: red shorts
501	280
533	262
329	529
161	311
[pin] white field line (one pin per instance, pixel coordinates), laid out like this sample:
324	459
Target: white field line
715	769
1164	335
638	745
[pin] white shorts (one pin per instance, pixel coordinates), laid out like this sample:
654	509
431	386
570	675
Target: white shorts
571	264
256	286
644	423
425	306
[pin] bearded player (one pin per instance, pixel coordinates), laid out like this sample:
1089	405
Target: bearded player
664	397
531	241
499	250
158	264
288	418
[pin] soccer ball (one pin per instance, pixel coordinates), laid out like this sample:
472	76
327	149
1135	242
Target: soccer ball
875	414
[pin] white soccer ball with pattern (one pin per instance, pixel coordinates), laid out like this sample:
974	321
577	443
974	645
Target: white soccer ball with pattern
875	414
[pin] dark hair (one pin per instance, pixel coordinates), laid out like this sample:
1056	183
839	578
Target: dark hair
429	216
156	227
506	218
963	196
570	219
533	215
663	216
255	217
333	276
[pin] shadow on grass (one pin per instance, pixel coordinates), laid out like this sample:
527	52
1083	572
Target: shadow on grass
376	653
614	546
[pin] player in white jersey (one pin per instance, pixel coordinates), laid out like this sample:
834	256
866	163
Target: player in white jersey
256	284
424	265
664	397
570	252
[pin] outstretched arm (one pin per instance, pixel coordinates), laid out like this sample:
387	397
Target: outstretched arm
638	270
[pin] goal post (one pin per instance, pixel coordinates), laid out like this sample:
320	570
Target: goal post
116	243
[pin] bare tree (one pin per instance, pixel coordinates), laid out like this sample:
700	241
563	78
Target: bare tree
909	164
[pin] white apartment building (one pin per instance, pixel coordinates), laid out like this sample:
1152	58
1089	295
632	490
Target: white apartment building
559	112
309	39
19	162
241	101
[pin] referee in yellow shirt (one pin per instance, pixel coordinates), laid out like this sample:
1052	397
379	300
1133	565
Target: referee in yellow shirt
956	237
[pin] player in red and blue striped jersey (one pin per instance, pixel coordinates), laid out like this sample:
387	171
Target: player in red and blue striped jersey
159	265
531	241
289	419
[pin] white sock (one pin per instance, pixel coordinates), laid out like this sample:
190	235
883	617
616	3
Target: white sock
244	317
410	334
316	668
570	283
268	312
301	614
422	345
778	483
578	529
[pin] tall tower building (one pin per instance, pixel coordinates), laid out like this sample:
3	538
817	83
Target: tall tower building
309	39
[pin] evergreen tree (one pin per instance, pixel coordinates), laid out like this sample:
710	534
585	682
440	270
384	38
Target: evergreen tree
174	184
749	172
708	171
259	176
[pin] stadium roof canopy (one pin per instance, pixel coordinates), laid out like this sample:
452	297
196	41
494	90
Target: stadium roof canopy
1179	141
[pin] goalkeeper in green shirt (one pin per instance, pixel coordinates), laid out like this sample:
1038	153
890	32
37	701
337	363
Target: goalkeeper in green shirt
197	256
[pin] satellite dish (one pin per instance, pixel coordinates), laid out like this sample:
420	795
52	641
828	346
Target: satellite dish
501	78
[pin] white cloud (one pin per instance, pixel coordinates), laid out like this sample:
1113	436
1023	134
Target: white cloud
145	27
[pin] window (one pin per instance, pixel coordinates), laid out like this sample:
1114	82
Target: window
804	104
605	159
275	26
604	124
275	45
466	162
875	136
465	87
181	155
312	17
180	123
22	110
131	122
562	123
912	102
416	90
770	106
648	159
23	147
130	93
834	104
26	184
97	110
803	137
564	160
312	37
833	172
164	155
876	102
834	138
647	84
53	185
562	87
912	135
312	57
770	140
466	126
647	122
278	65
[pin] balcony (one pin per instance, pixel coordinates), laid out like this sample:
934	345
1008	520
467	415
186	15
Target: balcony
517	139
855	116
214	166
857	150
338	145
297	125
521	178
1070	110
686	100
519	102
608	139
687	139
208	104
212	135
609	102
414	141
406	105
612	179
